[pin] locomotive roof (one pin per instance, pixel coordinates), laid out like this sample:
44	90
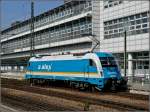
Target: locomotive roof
69	57
55	57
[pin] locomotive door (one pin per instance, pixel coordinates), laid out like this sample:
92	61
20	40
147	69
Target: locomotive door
87	69
86	72
90	68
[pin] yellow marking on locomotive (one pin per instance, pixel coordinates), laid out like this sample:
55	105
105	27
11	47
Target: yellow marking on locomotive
61	73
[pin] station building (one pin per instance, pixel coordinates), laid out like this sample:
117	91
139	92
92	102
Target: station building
70	27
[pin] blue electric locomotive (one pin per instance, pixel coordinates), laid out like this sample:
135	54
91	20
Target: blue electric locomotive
98	69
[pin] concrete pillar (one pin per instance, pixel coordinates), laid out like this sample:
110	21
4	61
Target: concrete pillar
21	68
5	68
130	65
12	68
2	67
9	68
15	68
18	68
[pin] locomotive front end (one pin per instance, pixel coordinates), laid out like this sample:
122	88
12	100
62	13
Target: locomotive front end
111	74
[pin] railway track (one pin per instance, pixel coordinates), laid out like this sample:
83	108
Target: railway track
21	104
93	100
125	94
109	100
13	82
31	102
128	95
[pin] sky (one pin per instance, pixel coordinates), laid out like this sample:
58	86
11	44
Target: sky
19	10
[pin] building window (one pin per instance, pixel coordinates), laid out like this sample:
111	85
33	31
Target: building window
121	30
132	27
136	26
144	20
112	3
144	25
132	22
106	32
110	32
138	21
144	14
145	30
115	3
139	67
115	31
131	17
137	16
121	20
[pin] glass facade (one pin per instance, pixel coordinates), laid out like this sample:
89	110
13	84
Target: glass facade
140	60
134	24
66	11
143	64
62	32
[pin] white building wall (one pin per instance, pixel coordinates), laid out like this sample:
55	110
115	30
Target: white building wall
135	43
101	23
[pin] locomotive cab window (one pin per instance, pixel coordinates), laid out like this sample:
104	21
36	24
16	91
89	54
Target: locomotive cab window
108	62
92	63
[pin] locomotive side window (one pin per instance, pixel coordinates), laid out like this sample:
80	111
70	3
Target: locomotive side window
108	61
92	63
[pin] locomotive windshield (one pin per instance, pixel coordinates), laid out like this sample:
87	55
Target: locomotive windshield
108	61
